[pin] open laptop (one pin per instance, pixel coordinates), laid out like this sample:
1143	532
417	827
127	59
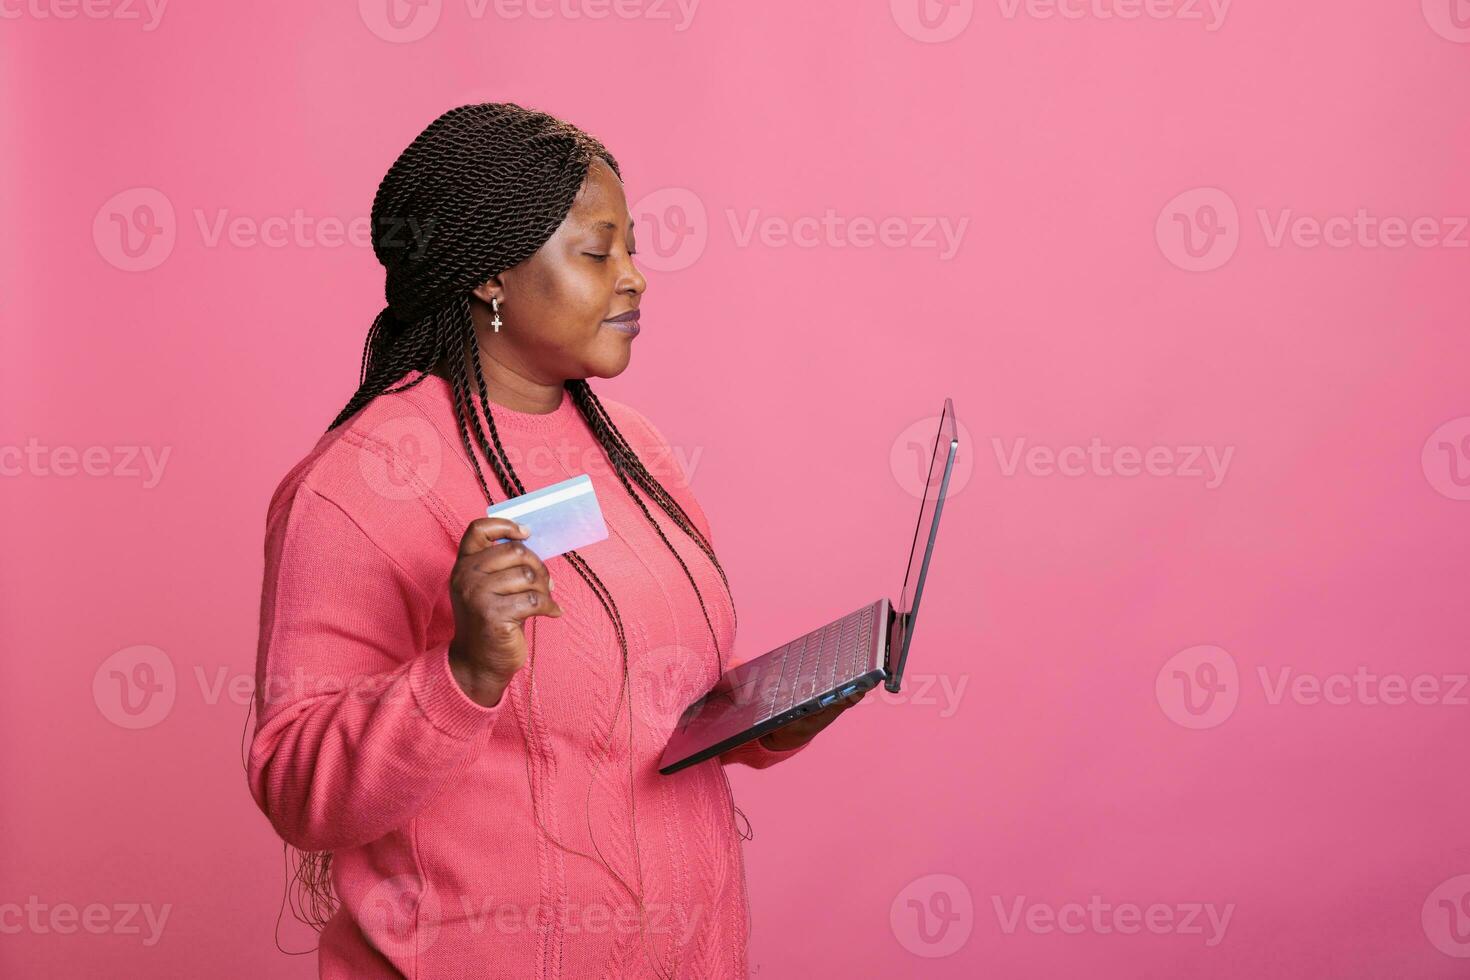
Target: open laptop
847	655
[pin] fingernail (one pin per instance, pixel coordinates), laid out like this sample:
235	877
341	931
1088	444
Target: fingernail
523	529
550	585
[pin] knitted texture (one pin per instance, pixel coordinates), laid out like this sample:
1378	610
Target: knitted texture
442	814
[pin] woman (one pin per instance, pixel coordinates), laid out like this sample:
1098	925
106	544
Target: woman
469	763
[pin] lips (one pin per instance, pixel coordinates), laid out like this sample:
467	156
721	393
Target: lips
625	323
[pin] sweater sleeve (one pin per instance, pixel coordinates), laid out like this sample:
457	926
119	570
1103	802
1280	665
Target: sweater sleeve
359	722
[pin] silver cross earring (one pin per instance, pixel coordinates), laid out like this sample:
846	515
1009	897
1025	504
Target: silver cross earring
495	308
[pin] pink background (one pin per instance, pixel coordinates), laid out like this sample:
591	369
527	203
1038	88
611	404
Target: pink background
1071	764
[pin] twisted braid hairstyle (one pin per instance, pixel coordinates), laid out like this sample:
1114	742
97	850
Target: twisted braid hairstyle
481	189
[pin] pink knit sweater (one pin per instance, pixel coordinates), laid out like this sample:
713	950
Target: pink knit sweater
443	855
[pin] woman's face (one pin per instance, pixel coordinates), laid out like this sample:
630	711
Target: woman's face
555	306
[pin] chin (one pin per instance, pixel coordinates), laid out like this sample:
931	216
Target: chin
610	365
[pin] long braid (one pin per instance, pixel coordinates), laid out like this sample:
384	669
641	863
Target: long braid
479	191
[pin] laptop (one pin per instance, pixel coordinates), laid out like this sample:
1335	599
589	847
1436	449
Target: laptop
848	655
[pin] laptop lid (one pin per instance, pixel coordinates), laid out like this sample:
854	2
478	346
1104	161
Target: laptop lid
936	486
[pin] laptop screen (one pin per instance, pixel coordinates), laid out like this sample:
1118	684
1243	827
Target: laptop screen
941	463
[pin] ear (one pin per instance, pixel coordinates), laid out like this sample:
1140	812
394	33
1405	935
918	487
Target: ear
492	287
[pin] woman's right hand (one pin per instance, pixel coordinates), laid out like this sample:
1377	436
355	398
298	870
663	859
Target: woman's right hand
494	588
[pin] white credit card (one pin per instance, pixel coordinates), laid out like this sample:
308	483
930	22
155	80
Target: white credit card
561	517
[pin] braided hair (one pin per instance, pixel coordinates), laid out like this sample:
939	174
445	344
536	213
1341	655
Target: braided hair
480	190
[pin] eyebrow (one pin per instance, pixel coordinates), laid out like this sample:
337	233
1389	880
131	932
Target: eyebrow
609	226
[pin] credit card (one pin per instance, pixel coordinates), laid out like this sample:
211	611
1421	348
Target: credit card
562	517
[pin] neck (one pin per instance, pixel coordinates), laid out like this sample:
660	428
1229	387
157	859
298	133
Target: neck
508	388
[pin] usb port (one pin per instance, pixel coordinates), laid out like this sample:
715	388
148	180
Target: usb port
847	690
825	700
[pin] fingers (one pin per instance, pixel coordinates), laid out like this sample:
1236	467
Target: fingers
518	578
523	605
484	532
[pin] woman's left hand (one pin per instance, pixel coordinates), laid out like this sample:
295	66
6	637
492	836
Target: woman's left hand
800	732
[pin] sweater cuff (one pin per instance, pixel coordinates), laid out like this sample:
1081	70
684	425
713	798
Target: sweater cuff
442	701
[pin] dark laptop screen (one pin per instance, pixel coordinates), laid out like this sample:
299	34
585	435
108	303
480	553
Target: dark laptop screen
941	463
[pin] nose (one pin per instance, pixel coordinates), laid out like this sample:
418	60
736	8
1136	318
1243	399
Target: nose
631	281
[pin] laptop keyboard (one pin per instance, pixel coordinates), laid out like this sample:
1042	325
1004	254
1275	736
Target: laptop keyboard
817	662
